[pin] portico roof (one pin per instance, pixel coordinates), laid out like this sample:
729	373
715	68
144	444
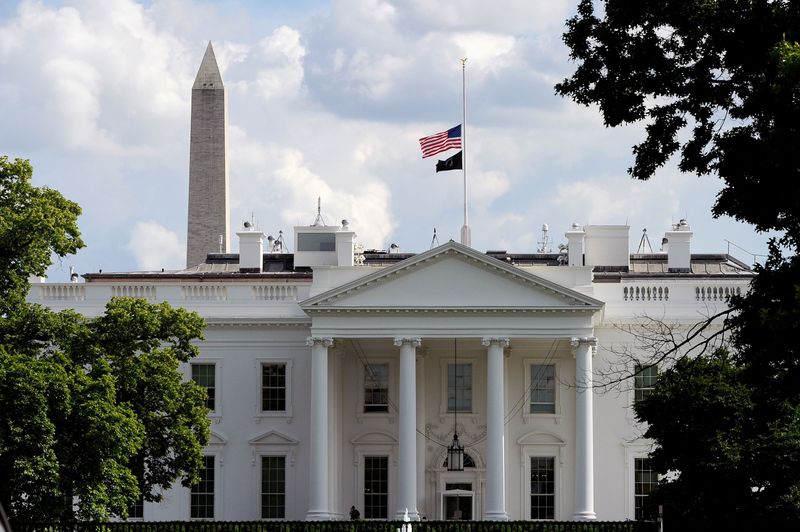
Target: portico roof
451	290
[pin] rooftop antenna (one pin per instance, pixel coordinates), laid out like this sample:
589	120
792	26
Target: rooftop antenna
434	240
545	241
644	243
319	220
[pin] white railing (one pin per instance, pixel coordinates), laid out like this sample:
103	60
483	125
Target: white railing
204	292
716	293
62	292
278	292
134	290
645	293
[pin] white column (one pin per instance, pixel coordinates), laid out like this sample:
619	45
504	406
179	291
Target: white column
318	496
495	430
407	464
584	434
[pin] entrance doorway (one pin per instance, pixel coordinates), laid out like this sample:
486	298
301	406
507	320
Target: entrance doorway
457	502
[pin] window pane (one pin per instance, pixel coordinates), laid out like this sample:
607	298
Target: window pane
316	242
273	487
376	487
273	387
459	387
205	376
543	389
645	481
644	380
202	498
543	488
376	388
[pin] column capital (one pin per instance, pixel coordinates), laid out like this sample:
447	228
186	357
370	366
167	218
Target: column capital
502	341
590	341
414	341
326	341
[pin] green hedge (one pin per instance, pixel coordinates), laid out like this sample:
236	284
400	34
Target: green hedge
340	526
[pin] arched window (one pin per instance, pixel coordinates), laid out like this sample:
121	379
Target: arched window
468	461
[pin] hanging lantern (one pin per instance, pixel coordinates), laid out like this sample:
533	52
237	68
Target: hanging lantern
455	455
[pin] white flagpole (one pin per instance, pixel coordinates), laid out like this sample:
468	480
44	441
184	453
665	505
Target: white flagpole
466	236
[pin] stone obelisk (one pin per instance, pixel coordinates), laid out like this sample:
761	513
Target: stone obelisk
209	215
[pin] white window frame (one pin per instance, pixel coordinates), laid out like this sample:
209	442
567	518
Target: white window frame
275	443
640	448
444	413
262	414
216	414
632	392
286	495
527	415
541	445
218	462
361	416
376	443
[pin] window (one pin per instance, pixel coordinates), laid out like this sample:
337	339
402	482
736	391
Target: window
273	487
376	487
316	242
136	510
205	376
273	387
202	497
459	387
645	480
543	487
644	380
376	387
543	389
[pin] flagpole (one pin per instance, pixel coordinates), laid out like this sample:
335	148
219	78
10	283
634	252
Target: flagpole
466	236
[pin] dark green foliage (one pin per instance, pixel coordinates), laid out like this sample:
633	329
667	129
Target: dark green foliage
717	82
341	526
85	402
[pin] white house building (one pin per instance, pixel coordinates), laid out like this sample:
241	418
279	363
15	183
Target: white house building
338	378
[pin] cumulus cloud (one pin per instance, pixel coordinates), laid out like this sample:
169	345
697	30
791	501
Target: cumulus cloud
154	247
326	101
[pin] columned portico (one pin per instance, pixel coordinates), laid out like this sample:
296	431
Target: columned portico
407	466
318	496
584	420
495	430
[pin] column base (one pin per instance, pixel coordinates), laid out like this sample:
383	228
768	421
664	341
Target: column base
319	515
413	515
495	516
584	516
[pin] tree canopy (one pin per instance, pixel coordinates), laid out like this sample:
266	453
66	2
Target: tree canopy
96	411
716	83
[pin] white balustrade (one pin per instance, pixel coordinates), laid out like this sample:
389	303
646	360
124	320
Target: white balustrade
134	290
645	293
275	292
62	292
716	293
204	292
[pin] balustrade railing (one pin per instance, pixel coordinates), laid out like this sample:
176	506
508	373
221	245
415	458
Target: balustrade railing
204	292
278	292
645	293
62	292
134	290
716	293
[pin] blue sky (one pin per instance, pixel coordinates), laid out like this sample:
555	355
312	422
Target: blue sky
325	99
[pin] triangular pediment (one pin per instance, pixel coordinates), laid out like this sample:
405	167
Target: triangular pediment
451	276
273	437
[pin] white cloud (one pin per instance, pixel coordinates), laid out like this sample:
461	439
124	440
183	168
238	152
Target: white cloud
155	247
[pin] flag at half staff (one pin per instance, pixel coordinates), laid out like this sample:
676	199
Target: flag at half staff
440	142
451	163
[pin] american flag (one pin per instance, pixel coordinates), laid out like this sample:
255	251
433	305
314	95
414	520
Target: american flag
441	141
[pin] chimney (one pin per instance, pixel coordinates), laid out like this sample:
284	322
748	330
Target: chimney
607	245
575	243
251	249
344	245
679	254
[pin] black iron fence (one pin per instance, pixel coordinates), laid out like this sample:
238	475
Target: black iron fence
340	526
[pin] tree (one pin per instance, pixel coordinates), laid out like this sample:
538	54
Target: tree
717	82
95	411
